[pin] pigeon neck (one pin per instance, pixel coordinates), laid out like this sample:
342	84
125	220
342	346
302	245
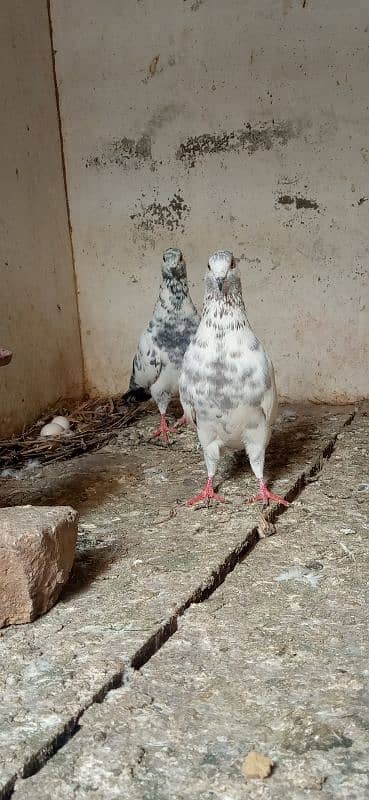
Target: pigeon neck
172	292
225	311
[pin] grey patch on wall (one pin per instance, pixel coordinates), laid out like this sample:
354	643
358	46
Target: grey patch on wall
123	153
253	263
251	139
170	216
128	153
161	117
299	202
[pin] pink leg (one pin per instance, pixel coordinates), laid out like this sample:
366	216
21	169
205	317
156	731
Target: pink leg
206	494
265	495
163	430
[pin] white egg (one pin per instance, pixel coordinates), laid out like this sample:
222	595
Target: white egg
51	429
63	422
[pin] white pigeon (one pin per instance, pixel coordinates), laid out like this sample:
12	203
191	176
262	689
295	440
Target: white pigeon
227	386
158	361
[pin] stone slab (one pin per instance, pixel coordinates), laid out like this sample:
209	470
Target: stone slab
37	547
276	661
142	555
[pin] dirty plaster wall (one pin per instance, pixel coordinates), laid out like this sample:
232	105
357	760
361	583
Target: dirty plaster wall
38	314
207	124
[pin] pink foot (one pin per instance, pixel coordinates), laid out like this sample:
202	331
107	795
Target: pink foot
207	494
179	423
265	495
163	430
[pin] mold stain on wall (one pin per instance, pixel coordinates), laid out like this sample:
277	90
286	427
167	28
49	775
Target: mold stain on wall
195	5
170	216
249	138
299	202
134	153
124	153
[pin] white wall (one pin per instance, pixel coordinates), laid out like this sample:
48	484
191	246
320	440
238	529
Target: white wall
38	313
295	72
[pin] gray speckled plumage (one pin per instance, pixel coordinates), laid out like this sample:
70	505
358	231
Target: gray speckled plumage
157	363
227	383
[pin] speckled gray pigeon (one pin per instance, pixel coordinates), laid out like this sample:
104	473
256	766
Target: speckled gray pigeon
227	386
158	361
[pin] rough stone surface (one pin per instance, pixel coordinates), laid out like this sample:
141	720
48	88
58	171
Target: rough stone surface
142	557
276	660
37	547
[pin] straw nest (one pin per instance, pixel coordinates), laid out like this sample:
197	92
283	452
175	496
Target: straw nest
93	423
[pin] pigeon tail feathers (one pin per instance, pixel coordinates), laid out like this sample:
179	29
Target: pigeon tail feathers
136	395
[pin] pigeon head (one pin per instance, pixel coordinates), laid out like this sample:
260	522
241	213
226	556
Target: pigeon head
222	271
174	265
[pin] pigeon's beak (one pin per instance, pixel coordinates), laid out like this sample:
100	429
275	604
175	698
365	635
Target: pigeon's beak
220	282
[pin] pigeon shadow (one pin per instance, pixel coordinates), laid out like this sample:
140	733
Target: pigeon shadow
291	444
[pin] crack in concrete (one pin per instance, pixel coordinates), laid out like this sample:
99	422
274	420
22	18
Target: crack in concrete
155	642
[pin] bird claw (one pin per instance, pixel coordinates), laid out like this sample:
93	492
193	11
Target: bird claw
206	494
164	429
265	495
158	434
179	423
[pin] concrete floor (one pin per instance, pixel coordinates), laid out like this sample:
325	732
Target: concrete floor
182	641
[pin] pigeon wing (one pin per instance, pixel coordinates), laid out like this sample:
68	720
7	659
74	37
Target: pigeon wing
146	365
269	401
188	384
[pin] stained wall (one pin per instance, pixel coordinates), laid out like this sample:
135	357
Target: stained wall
206	124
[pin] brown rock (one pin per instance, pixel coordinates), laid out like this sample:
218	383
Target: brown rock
256	765
265	528
37	546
